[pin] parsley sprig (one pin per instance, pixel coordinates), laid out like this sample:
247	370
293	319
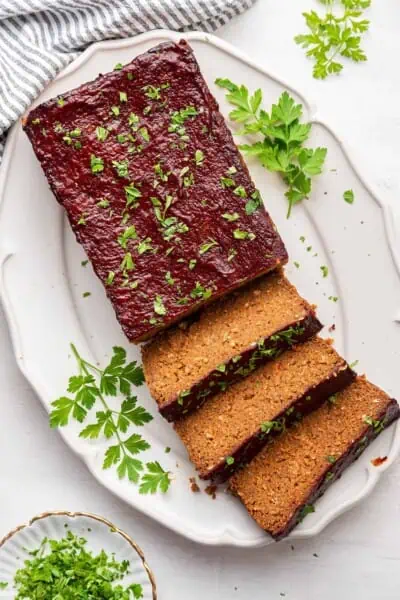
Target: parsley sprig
281	149
335	34
93	386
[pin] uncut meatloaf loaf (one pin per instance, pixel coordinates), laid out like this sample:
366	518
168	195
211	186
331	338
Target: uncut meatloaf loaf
233	426
229	339
279	486
155	189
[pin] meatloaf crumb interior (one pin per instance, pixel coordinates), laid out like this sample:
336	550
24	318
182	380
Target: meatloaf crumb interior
219	434
281	483
229	339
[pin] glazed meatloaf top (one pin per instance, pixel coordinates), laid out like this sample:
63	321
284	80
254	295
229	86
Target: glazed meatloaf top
155	188
182	356
288	473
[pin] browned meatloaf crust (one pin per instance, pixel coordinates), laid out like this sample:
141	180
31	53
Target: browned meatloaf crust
155	189
281	484
233	426
231	338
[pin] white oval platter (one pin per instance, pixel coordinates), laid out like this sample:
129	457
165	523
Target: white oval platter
99	533
42	282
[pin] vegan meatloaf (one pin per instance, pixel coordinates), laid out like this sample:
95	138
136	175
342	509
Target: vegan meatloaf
233	426
188	364
155	189
281	484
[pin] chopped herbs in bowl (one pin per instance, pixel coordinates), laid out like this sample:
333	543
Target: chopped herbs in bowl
73	556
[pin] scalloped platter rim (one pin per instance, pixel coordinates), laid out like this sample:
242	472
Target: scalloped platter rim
40	260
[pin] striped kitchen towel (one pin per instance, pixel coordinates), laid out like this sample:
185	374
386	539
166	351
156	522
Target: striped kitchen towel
38	38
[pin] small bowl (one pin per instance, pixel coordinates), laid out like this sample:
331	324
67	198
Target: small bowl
100	534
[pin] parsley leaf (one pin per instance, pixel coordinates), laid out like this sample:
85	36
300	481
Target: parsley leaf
348	196
335	34
281	149
155	478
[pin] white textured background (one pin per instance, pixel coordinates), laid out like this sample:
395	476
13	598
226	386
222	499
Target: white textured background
358	555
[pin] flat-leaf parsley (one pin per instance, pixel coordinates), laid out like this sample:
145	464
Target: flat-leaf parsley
335	34
92	386
281	148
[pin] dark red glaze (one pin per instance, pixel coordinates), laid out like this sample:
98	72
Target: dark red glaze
308	402
174	72
236	370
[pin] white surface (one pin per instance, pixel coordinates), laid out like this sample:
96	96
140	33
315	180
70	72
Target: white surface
358	552
41	260
99	535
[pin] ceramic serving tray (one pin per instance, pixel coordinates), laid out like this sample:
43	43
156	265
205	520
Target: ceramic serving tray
42	284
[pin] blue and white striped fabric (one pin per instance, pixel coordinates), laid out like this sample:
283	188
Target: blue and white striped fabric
38	38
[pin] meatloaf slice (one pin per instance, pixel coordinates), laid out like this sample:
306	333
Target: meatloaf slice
281	484
233	426
186	365
155	189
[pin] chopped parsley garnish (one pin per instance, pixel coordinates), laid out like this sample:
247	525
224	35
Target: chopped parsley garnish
375	423
115	111
333	298
84	263
296	264
127	263
96	164
227	182
144	133
324	271
169	279
66	568
132	194
331	459
123	97
145	246
306	510
238	234
133	121
110	278
230	217
240	191
254	203
159	307
129	234
199	157
152	92
192	263
170	225
86	294
118	67
60	101
200	292
348	196
206	246
178	119
102	133
94	385
162	175
121	167
229	460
